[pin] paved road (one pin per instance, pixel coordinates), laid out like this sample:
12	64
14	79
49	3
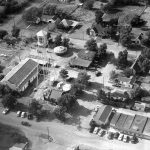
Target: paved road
65	136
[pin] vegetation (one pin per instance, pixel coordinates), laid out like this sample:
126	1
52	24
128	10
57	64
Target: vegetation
91	45
50	9
83	78
63	73
101	51
58	40
60	113
128	72
88	4
9	101
32	15
36	109
77	89
98	16
65	42
123	58
3	33
15	32
113	75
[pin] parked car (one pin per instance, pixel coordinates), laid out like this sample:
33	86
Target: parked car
116	135
96	129
23	115
25	123
96	108
5	111
18	113
101	132
120	137
110	135
134	139
98	73
125	138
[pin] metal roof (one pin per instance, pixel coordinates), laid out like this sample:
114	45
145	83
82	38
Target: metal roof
115	119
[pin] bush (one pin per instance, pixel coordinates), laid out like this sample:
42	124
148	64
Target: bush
50	9
88	4
3	33
15	32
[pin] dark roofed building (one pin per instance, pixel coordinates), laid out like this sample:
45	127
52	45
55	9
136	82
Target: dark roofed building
84	59
128	122
121	121
138	124
114	119
103	114
21	75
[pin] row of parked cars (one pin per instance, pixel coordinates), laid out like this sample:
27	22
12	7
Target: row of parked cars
117	135
24	114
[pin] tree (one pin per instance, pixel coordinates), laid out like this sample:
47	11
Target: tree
35	108
60	113
88	4
91	45
65	42
101	95
50	9
77	89
83	78
67	100
123	58
63	73
9	101
98	16
101	53
128	72
58	40
15	32
3	33
32	14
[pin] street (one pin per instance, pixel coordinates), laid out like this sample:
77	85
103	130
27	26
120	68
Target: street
65	136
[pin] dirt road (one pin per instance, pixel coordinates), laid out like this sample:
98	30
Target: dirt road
65	136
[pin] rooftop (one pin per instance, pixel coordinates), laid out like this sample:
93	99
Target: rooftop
86	54
55	94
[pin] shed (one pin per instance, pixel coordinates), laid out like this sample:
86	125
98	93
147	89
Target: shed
114	119
103	114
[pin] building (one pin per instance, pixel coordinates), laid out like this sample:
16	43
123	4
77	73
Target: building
126	82
131	124
84	59
96	29
20	77
141	106
103	115
42	38
19	146
69	23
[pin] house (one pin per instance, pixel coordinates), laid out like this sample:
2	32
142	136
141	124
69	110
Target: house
83	60
19	146
69	23
126	82
103	115
49	19
20	77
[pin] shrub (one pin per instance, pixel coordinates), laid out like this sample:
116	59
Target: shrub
88	4
3	33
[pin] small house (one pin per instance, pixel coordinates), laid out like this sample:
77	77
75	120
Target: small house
42	38
141	106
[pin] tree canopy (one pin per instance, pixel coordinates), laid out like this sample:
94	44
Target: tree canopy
9	101
101	52
123	58
88	4
98	16
91	45
58	40
63	73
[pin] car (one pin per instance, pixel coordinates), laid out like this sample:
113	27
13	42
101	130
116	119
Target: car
98	73
5	111
116	135
96	129
101	132
18	113
110	135
134	139
23	115
120	137
125	138
96	108
25	123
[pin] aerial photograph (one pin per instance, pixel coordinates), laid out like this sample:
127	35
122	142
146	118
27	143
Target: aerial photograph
74	74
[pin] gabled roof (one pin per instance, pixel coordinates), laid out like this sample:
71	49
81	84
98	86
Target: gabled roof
18	146
42	33
21	72
67	23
